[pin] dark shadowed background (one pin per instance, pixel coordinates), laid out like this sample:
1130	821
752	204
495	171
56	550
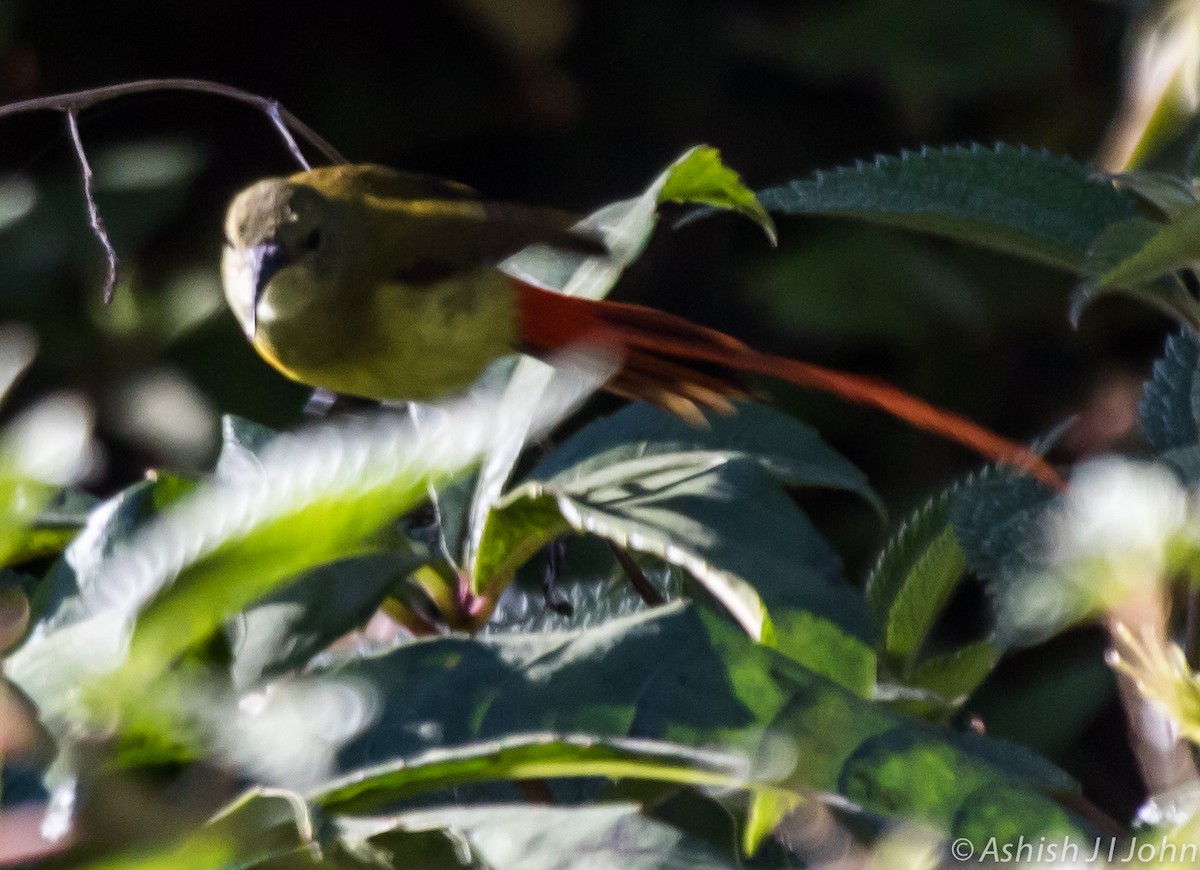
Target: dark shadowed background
577	104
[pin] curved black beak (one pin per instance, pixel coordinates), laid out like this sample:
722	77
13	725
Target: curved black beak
265	260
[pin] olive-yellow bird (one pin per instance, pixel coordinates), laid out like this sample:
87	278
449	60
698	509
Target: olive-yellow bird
375	283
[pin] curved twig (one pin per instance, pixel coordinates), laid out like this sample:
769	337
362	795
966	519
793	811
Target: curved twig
284	121
89	194
73	103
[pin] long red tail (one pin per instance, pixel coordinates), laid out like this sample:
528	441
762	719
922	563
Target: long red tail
684	368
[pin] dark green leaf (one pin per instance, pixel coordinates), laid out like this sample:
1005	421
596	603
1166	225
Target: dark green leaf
725	521
286	628
1122	243
697	175
791	451
1184	461
695	497
1027	203
1169	194
1167	412
591	581
1170	247
640	677
995	516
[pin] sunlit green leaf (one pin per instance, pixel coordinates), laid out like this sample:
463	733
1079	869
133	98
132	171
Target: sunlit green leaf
825	649
697	498
697	176
508	837
701	177
722	519
534	756
956	674
930	581
927	776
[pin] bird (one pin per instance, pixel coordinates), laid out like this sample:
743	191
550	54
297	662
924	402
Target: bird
366	281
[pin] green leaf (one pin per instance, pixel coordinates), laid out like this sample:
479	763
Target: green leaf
702	501
998	519
927	776
635	677
532	756
790	451
1004	814
1173	246
320	496
913	579
928	585
767	810
267	823
825	649
994	515
1168	410
1168	193
1027	203
1119	244
510	837
722	519
701	177
626	228
955	675
591	581
288	627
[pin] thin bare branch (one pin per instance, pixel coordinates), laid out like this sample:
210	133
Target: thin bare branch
273	112
89	193
73	103
283	120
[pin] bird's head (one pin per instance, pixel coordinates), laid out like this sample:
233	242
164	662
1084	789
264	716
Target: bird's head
278	232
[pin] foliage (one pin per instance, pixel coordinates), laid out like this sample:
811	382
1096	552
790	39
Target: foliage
332	646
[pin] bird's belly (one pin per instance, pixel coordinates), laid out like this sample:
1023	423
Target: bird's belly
419	343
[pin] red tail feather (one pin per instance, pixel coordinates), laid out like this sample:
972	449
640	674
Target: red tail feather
684	368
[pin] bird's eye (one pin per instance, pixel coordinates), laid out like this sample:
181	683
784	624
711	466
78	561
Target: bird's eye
313	240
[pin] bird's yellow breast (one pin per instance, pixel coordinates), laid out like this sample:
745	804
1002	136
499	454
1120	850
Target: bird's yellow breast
396	342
